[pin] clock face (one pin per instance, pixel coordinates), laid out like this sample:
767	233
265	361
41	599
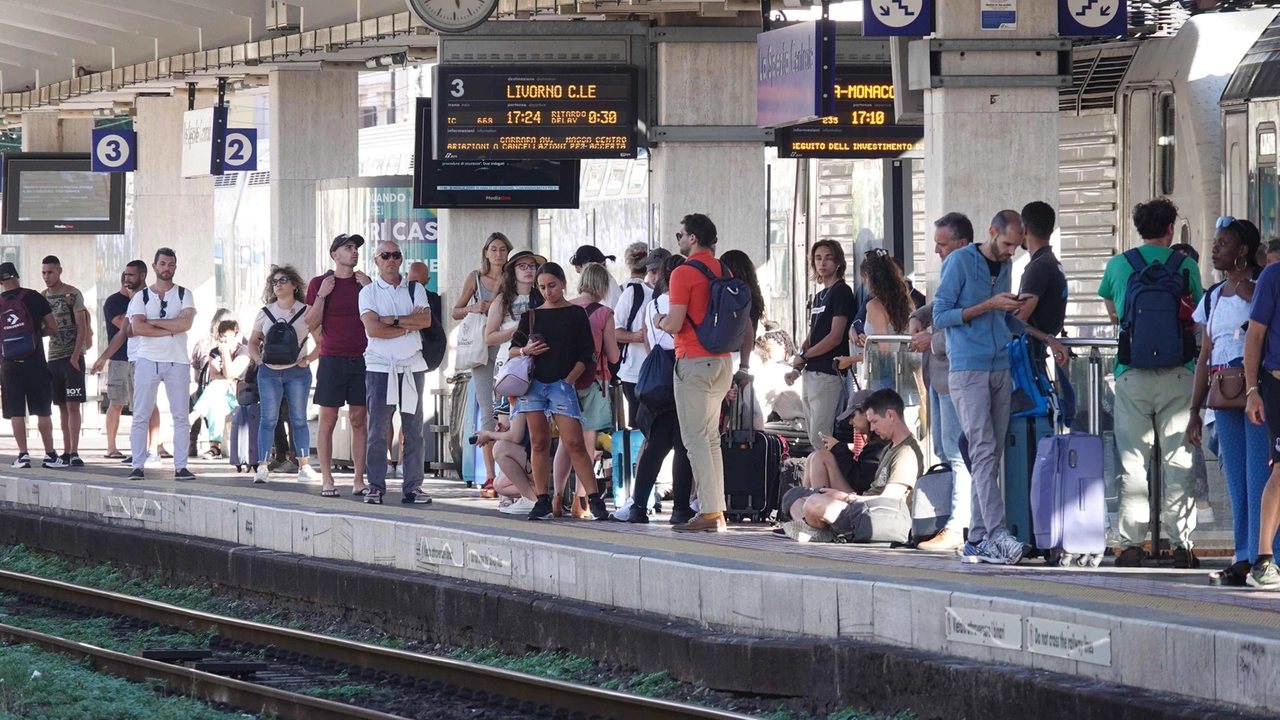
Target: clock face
453	15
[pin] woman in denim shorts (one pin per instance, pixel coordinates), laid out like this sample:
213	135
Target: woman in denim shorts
558	335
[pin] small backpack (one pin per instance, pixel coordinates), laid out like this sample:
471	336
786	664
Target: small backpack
637	302
146	296
598	370
281	346
1033	395
434	339
1153	333
17	328
728	311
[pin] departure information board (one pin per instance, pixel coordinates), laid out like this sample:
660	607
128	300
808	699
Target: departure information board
522	113
863	126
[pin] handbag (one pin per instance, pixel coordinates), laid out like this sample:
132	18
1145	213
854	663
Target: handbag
843	431
472	351
1226	385
513	378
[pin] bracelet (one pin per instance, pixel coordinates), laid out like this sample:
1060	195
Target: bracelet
522	351
1251	390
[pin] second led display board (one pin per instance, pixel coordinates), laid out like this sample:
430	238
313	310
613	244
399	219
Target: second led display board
490	113
863	126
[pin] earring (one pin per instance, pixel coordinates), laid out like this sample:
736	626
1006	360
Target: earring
1239	259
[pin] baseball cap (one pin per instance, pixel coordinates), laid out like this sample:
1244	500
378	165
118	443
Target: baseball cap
589	254
8	271
856	401
343	239
656	256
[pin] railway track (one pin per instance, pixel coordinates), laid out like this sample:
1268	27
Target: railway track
539	696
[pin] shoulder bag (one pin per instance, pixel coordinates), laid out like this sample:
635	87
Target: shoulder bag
472	351
1227	384
513	378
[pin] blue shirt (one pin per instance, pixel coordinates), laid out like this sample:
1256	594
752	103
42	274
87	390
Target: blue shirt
968	280
1265	305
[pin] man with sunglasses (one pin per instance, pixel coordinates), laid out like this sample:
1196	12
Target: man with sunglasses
160	316
395	372
333	301
1153	402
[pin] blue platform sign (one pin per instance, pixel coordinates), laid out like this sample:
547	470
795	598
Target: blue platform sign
795	72
1108	18
912	18
240	150
115	150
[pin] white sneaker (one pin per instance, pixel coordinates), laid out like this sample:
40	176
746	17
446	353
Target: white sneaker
801	531
261	476
1003	550
519	507
396	472
307	474
624	512
153	461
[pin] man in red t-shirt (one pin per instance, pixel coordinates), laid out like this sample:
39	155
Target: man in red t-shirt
334	300
702	378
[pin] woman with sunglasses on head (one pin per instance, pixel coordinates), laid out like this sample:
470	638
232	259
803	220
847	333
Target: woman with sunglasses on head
889	307
558	337
1223	313
478	292
285	307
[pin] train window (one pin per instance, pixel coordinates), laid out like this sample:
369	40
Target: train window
1165	146
1267	184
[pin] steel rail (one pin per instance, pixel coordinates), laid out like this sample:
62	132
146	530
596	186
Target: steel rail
194	683
538	690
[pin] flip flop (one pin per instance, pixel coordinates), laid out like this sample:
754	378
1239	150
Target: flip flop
117	455
329	492
361	492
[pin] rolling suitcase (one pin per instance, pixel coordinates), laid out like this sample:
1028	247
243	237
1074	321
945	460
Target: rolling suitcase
752	463
626	453
1019	458
931	502
244	436
1068	499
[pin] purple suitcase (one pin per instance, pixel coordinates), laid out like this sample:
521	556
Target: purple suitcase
1068	502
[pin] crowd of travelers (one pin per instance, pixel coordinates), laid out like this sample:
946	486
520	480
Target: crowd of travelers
668	355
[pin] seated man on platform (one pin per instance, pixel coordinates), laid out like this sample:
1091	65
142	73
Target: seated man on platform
835	466
882	513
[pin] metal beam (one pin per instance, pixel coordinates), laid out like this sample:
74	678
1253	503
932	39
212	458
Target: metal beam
709	133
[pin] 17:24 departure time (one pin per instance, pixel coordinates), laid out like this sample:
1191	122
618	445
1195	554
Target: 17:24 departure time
562	117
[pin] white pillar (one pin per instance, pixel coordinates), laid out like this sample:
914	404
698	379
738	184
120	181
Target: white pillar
988	149
170	210
314	136
710	84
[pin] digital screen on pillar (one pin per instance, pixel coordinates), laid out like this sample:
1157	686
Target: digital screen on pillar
863	126
529	113
438	184
59	194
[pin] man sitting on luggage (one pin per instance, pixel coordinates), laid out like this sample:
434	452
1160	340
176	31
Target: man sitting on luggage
880	514
834	466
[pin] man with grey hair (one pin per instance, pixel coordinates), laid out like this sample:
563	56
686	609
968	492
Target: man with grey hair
629	324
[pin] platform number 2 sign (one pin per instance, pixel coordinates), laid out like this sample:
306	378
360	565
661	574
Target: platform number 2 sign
240	150
115	150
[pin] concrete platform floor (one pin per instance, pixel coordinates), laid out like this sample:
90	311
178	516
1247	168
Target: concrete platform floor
1157	628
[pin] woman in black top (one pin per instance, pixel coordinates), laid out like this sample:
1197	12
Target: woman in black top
558	336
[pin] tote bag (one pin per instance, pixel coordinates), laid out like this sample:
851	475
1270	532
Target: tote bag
472	351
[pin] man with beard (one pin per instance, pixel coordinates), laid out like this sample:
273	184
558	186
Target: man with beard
118	354
160	317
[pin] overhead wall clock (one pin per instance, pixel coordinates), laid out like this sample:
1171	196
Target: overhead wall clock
453	15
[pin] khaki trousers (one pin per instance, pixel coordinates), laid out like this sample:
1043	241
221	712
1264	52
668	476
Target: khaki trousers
700	387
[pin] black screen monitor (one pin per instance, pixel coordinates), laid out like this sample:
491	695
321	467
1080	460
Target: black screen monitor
487	183
59	194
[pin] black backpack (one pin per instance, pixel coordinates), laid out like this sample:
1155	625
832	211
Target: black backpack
637	302
434	339
280	346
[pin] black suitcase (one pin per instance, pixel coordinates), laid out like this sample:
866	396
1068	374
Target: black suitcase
752	464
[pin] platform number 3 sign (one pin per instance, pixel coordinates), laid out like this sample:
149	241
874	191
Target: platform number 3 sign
1106	18
115	150
240	150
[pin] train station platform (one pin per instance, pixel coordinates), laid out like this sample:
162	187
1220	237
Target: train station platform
1159	629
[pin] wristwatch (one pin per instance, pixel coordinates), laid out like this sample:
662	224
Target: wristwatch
396	322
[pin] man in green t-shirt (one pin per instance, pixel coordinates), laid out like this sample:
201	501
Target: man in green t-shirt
1151	403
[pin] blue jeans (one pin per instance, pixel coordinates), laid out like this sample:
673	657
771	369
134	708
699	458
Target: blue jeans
1245	450
273	385
946	438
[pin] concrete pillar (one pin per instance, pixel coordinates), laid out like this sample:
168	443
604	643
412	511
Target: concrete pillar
710	84
168	209
314	136
987	149
462	233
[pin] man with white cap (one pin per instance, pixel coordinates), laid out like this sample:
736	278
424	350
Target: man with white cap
394	373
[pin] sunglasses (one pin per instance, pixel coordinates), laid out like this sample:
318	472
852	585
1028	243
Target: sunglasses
164	305
679	236
391	255
280	281
877	252
1225	221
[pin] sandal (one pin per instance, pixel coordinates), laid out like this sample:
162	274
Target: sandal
487	490
329	492
1233	576
212	454
115	455
360	492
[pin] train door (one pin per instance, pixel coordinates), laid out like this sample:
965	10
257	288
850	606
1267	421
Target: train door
1265	185
1150	152
1235	188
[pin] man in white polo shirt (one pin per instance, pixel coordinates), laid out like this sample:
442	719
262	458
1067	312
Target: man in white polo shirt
394	316
160	316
